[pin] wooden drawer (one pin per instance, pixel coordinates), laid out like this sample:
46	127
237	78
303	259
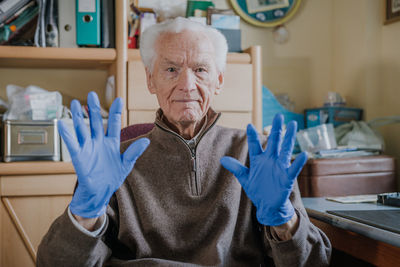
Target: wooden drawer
237	92
141	116
33	185
348	176
139	96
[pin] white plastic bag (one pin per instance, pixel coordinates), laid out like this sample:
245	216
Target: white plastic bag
360	135
364	135
32	103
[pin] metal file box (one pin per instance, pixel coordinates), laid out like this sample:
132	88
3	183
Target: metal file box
30	140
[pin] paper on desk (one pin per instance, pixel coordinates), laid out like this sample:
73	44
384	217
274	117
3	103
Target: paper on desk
354	199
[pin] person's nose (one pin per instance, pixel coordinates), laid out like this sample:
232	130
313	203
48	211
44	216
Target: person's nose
187	80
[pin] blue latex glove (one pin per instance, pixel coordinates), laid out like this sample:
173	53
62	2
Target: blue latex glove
269	180
100	167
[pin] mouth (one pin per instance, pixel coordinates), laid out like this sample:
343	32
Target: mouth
185	100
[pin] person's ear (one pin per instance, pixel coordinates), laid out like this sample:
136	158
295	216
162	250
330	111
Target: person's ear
150	81
220	83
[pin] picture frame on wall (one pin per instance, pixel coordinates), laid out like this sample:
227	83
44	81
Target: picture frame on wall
265	13
392	11
254	6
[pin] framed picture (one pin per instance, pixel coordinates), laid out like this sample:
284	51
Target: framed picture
392	11
254	6
265	13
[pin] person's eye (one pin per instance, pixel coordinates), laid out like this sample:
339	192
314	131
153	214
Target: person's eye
200	69
171	69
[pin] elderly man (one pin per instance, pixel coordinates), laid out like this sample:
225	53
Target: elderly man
179	205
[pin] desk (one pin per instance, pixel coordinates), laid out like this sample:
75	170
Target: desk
377	246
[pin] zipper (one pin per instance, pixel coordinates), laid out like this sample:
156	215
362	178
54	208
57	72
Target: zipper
192	150
194	171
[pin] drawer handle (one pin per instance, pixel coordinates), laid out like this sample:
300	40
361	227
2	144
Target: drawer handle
32	137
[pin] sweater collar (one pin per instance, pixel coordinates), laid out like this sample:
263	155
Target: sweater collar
209	120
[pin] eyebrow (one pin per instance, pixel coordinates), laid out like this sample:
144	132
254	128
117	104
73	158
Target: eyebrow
166	61
202	64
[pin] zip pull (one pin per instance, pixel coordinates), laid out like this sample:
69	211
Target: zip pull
193	163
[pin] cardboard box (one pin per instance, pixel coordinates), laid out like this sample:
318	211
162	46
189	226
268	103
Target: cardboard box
234	39
334	115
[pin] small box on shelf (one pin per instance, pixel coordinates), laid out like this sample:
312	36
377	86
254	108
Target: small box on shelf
334	115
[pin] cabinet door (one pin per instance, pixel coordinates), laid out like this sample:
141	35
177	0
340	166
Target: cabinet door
29	205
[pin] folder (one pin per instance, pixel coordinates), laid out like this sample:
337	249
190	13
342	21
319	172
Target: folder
88	25
192	5
67	23
51	23
9	7
107	24
20	27
40	32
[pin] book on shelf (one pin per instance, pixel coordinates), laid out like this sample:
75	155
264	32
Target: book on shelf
17	30
9	7
50	23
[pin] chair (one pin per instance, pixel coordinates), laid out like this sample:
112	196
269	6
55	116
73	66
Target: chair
135	130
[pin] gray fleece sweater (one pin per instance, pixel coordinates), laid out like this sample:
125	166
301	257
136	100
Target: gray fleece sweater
180	207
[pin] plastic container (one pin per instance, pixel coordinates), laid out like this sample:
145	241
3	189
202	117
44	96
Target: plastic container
317	138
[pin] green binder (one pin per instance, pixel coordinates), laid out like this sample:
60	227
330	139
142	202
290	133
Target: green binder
192	5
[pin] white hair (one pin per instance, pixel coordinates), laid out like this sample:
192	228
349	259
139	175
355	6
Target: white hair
150	35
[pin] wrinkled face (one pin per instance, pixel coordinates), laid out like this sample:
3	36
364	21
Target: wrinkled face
184	78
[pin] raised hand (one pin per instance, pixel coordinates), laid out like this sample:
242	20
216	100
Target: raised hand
99	165
269	180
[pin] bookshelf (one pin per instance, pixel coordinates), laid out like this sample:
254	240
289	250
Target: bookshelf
109	61
54	57
33	194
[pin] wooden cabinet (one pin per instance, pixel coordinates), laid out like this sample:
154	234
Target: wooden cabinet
29	204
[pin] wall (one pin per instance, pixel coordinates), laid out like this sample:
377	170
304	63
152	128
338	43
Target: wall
302	66
389	103
366	62
339	46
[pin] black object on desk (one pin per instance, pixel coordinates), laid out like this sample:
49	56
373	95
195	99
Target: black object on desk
384	219
390	199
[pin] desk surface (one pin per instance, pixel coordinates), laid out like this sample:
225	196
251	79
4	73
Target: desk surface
317	207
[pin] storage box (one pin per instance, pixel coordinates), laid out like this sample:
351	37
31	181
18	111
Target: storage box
30	140
348	176
334	115
233	38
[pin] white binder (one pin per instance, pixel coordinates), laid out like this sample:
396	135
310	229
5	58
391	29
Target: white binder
67	23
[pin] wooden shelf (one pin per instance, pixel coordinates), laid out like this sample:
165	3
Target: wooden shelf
55	57
36	168
232	58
